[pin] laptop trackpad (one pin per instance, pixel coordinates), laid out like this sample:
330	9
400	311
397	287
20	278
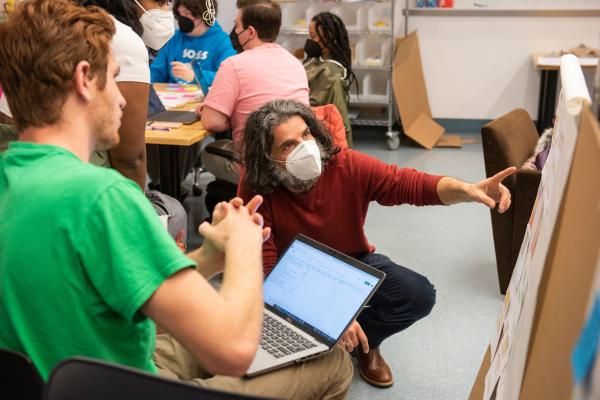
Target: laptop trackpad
264	362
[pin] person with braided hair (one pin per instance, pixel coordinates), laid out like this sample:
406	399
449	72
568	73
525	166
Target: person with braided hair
328	65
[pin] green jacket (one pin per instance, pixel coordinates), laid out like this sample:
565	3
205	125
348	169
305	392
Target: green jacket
328	85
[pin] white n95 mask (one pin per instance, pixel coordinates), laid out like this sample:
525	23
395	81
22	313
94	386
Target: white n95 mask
304	162
159	26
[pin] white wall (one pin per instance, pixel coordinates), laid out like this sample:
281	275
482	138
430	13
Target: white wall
226	15
481	67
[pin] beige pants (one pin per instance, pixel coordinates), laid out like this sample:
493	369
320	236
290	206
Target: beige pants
327	377
221	167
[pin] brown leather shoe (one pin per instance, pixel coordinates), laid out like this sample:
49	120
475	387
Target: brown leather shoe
373	368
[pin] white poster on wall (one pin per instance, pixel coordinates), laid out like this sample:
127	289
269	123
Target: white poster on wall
508	362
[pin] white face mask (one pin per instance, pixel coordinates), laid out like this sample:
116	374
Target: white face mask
159	26
304	162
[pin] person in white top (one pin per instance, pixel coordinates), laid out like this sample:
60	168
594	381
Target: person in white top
139	23
132	24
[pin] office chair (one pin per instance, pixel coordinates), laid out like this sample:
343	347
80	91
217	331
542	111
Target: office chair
84	378
19	379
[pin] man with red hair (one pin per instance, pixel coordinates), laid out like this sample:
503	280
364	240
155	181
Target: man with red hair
87	269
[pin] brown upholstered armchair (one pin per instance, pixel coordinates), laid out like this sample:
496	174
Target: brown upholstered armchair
509	141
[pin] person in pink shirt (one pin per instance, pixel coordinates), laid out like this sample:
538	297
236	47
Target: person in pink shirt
262	72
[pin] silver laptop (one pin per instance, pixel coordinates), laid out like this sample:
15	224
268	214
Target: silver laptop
311	296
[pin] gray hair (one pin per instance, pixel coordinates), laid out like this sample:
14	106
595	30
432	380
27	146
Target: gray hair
260	171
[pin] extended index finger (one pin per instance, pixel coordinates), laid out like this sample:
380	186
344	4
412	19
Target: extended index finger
254	203
500	176
363	339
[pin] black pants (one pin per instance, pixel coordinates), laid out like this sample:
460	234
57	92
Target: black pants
188	155
403	298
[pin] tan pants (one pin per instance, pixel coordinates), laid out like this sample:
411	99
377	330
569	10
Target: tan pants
221	167
327	377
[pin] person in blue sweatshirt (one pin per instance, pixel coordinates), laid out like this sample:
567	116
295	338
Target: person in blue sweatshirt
196	50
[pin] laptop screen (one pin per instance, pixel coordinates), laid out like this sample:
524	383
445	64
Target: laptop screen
317	289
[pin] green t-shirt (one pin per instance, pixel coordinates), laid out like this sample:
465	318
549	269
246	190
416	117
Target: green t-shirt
81	250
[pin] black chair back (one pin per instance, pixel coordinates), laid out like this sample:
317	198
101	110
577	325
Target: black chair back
83	378
19	379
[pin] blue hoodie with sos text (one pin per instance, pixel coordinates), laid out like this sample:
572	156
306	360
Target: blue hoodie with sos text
209	50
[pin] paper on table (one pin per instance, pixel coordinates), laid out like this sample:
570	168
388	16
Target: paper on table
175	95
164	124
575	89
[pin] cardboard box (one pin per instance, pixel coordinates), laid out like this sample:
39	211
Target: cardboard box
411	94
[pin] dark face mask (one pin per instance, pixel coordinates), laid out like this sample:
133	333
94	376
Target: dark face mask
186	25
235	40
312	49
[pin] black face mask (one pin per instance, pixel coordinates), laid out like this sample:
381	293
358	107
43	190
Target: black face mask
186	25
235	40
312	49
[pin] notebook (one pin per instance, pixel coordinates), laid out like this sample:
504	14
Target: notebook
185	117
311	297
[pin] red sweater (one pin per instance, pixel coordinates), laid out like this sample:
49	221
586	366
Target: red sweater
334	210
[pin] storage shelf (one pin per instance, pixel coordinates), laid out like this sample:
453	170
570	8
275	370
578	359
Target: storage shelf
369	121
370	25
487	12
384	32
332	1
304	31
370	99
371	68
359	67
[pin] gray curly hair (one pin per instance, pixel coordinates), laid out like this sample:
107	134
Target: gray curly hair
260	171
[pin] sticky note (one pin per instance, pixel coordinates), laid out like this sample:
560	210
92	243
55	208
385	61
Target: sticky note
584	353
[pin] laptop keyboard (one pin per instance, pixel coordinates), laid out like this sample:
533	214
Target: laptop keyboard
279	340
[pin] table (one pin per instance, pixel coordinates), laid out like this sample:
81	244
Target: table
549	67
169	142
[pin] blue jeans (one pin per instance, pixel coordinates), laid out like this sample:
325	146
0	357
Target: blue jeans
403	298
